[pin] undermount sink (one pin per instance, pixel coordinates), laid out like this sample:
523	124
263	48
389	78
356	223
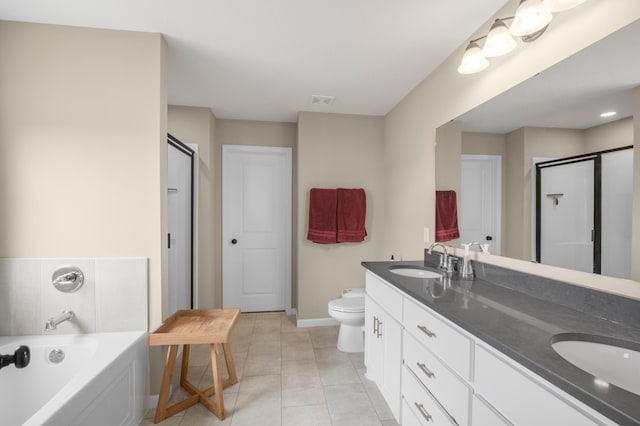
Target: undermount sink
415	272
609	360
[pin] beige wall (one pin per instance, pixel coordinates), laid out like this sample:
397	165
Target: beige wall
611	135
537	142
410	128
83	146
525	144
337	151
193	125
256	133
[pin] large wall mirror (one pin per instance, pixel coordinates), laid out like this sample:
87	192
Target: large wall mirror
489	156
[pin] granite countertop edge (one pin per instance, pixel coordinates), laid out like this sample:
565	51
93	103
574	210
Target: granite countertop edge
618	405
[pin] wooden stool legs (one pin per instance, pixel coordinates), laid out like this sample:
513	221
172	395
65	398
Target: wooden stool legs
217	405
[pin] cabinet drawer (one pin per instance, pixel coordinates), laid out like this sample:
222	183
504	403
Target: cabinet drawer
452	393
408	417
439	337
519	398
382	292
483	415
421	404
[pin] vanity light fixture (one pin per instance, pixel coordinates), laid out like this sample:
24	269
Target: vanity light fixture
473	60
531	17
608	114
530	21
499	40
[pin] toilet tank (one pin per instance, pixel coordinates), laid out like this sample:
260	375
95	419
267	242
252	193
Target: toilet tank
353	292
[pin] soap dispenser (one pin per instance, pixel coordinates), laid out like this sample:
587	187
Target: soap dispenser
467	269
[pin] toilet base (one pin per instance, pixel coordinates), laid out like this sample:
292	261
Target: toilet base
351	338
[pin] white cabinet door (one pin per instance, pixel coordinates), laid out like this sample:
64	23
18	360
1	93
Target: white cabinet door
383	353
483	415
391	334
519	398
372	343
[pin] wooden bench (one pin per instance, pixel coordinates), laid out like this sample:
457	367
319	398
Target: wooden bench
191	327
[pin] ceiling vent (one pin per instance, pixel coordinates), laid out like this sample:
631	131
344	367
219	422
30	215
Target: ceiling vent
322	100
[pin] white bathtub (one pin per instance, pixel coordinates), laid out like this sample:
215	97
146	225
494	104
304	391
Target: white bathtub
102	380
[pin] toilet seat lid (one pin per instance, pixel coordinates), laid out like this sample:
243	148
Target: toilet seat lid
349	304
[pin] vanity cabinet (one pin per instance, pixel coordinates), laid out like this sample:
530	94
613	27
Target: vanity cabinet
483	414
432	373
436	373
383	339
423	405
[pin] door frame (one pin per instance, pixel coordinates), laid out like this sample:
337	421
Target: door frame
191	150
288	152
496	163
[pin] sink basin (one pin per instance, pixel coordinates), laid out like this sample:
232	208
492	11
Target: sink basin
609	360
415	272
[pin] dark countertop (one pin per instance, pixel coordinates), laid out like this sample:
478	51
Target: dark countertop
521	327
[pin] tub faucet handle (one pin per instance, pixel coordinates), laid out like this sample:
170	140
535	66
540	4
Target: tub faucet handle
20	358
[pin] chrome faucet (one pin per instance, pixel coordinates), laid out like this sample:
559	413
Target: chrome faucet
52	322
444	257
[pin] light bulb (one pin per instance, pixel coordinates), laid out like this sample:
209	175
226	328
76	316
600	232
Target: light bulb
531	16
499	40
473	60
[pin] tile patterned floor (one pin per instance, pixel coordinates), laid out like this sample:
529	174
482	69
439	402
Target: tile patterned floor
288	376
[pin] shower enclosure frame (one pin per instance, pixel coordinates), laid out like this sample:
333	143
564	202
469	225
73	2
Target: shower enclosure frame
596	235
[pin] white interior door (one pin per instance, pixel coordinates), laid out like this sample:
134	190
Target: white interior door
566	215
256	218
179	211
481	200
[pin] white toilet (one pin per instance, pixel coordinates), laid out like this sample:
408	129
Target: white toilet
349	311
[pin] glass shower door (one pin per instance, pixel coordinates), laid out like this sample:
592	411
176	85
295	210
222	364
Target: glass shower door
567	216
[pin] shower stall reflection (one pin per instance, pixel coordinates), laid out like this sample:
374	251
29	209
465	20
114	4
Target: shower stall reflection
583	212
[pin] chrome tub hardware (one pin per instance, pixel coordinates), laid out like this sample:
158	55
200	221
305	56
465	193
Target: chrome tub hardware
67	279
52	322
56	356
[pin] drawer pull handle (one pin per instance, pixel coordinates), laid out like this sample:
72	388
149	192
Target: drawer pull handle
425	370
375	325
379	330
426	331
424	413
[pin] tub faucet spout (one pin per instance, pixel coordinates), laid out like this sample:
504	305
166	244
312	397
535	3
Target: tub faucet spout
52	322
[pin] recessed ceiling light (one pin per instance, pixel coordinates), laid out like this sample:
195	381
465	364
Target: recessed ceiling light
322	100
608	114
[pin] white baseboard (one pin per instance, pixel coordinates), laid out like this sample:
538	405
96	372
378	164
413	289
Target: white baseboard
317	322
152	402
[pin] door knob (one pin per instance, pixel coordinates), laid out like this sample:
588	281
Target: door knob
234	241
489	237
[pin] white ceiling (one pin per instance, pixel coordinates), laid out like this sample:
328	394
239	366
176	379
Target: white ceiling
263	59
571	94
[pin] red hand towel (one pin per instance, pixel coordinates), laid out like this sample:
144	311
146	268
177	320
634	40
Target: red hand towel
322	216
446	216
352	212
